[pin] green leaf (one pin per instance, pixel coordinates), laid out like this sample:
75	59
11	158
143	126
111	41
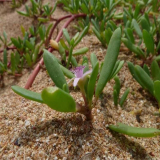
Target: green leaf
16	43
116	90
67	72
123	98
132	47
58	99
84	8
66	35
43	20
137	10
23	13
134	131
85	30
144	78
80	51
28	59
27	94
155	70
129	34
94	59
109	61
146	69
29	45
92	82
108	35
23	30
42	32
98	35
54	69
74	61
35	53
137	28
117	85
157	91
149	42
145	25
116	69
133	72
5	36
115	97
48	29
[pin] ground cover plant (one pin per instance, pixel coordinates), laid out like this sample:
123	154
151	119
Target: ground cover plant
73	68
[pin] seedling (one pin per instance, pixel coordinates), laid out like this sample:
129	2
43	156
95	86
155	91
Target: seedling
116	92
17	3
58	97
148	46
39	12
150	81
103	30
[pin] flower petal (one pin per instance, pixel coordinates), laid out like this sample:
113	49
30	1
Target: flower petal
78	71
86	73
75	81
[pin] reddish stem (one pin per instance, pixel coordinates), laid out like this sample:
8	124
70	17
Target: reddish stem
40	63
55	25
8	48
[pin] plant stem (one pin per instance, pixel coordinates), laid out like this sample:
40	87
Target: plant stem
8	48
55	25
40	63
85	111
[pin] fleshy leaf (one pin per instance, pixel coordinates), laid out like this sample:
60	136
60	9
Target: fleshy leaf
92	82
148	40
58	99
80	51
134	131
155	71
137	28
109	61
144	78
94	59
27	94
123	98
54	69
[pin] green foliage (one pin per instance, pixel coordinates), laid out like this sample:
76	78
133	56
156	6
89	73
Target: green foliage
58	100
148	33
103	30
28	94
134	131
40	12
69	47
54	70
116	91
97	8
109	61
148	81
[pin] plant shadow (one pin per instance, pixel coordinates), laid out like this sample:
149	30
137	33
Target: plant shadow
74	126
134	148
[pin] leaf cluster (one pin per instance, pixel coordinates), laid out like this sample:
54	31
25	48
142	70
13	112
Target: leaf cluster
38	11
87	84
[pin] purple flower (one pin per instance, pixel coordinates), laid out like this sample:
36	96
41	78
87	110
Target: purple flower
78	72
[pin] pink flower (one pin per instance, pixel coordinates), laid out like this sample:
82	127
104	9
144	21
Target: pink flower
78	72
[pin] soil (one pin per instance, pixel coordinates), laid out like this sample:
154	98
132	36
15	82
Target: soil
29	130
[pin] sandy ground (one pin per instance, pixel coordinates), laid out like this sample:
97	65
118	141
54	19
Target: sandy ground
30	130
